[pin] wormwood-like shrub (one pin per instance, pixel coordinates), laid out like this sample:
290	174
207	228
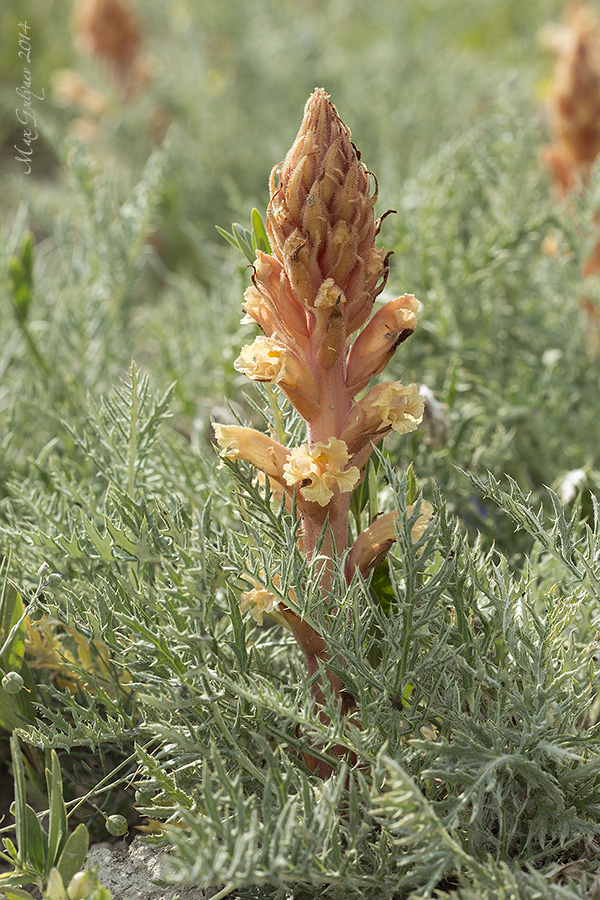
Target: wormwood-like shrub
474	750
468	761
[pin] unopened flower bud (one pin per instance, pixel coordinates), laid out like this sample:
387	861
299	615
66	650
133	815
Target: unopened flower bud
372	545
330	335
321	220
53	580
252	446
378	341
116	825
12	682
271	302
81	885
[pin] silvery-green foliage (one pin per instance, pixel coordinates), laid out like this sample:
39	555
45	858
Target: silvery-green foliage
502	341
472	764
475	683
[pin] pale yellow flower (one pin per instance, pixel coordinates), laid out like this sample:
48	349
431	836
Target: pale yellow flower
329	294
258	601
385	406
320	470
263	360
401	407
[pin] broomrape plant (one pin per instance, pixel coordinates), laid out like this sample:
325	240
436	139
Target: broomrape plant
419	716
309	297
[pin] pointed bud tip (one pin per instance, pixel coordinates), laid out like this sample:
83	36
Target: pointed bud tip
318	100
319	115
319	95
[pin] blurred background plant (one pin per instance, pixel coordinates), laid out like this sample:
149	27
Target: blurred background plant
108	252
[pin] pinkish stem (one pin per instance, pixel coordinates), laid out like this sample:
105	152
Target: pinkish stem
334	406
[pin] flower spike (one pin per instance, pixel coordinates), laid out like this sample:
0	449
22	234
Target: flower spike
309	296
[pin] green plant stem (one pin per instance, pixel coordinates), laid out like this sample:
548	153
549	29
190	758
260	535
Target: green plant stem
132	450
276	412
34	349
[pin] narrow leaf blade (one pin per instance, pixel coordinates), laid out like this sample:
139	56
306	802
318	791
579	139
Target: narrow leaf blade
73	856
57	825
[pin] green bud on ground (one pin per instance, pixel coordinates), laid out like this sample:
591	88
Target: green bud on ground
12	683
116	825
